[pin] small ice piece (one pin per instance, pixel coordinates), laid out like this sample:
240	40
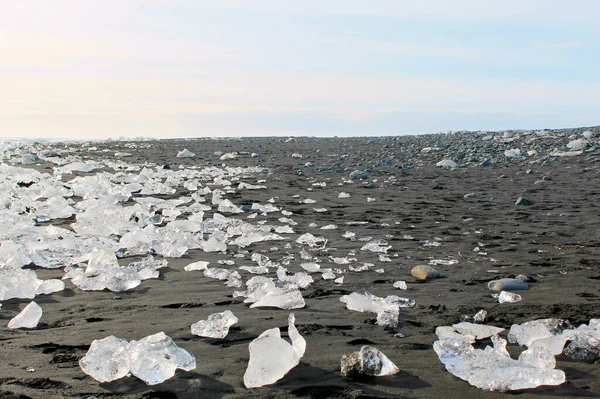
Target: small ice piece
255	269
401	285
28	318
310	267
50	286
271	357
387	309
343	195
349	234
339	280
216	326
509	297
300	279
446	163
375	246
185	153
368	361
283	298
329	227
328	274
155	358
200	265
311	240
232	276
106	360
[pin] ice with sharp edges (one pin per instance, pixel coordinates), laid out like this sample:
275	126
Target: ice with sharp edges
216	326
28	318
271	357
375	246
300	279
106	360
18	283
50	286
232	276
185	153
367	361
585	342
153	359
493	369
278	297
103	271
387	309
526	333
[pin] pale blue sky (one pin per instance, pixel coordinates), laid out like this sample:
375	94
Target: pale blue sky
184	68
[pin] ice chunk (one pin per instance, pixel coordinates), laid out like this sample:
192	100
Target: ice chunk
577	145
367	361
311	240
376	246
216	326
283	298
155	358
106	360
526	333
300	279
50	286
493	369
401	285
255	269
185	153
200	265
585	342
28	318
18	283
310	267
446	163
232	276
271	357
387	309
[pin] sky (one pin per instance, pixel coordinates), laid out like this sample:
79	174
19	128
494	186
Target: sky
198	68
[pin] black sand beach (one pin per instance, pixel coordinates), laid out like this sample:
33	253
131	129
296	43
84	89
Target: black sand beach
554	242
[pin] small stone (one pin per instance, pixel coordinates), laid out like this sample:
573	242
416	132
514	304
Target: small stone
523	201
507	284
424	272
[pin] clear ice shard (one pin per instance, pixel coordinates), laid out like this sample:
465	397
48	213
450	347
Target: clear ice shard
509	297
493	369
387	309
216	326
271	357
28	318
300	279
367	361
155	358
200	265
284	298
526	333
152	359
479	331
106	360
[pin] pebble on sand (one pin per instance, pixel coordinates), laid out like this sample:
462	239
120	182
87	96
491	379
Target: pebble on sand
424	272
507	284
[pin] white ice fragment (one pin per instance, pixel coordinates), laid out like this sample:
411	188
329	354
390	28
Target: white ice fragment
50	286
509	297
526	333
401	285
200	265
329	227
28	318
185	153
375	246
368	361
300	279
446	163
255	269
311	240
343	195
216	326
283	298
271	357
387	309
310	267
349	234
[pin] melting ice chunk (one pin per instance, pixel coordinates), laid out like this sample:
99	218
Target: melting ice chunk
493	369
106	360
271	357
216	326
387	309
152	359
28	318
367	361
